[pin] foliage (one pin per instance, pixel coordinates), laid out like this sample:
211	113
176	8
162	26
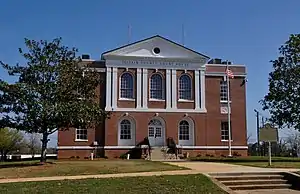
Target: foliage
283	98
54	91
34	144
10	140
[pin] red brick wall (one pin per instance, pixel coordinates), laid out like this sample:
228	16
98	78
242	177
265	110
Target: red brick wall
83	154
207	125
222	69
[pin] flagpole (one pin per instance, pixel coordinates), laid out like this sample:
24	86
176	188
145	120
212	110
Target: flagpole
228	110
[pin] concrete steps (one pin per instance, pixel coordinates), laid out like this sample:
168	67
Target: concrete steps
253	180
157	154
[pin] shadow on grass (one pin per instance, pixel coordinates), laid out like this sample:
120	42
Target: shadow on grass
22	164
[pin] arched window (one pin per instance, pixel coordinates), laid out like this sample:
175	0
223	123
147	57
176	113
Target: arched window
126	86
156	87
125	129
126	132
185	87
184	130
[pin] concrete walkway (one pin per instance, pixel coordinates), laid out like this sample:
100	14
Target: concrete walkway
212	167
157	173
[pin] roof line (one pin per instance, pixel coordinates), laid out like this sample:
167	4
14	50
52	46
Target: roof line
151	38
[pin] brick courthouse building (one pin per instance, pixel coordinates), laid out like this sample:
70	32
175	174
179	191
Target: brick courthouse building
157	88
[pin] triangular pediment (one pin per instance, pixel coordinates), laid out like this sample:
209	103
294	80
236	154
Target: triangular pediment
155	47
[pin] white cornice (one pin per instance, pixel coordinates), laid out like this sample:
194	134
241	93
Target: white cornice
130	147
202	110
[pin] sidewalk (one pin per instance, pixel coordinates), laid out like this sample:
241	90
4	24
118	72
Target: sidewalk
213	167
157	173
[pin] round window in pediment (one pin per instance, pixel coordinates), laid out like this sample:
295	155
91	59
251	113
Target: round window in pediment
156	50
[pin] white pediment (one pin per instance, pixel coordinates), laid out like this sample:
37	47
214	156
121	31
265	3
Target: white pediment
164	49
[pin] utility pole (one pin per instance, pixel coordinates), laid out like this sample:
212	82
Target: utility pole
257	131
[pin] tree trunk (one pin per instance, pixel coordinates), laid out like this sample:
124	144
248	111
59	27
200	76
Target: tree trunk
44	147
2	156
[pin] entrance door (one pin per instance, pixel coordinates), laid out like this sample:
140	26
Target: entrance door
155	133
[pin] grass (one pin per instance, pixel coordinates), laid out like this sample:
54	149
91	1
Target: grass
129	185
69	168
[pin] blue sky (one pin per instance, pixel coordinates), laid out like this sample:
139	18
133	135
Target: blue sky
244	32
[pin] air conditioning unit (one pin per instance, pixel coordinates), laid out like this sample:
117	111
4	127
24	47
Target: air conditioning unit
85	56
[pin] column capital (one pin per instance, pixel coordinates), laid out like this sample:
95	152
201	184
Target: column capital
115	69
138	70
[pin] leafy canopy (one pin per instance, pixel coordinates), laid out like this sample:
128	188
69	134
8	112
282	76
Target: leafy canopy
10	141
54	90
283	98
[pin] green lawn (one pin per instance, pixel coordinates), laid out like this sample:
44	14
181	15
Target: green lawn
69	168
156	184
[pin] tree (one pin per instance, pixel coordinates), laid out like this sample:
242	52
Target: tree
54	91
34	144
293	140
10	140
283	98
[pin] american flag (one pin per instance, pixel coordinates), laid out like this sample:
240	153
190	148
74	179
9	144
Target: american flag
229	73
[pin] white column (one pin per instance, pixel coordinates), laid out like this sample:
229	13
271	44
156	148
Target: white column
138	88
197	89
168	88
115	88
202	78
174	89
145	88
108	89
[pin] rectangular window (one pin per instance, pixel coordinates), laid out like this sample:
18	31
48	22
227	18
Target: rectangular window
225	131
223	91
81	134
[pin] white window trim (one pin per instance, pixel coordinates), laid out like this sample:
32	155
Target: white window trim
120	80
157	100
225	140
191	141
178	83
127	99
81	140
126	142
225	101
184	100
163	88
